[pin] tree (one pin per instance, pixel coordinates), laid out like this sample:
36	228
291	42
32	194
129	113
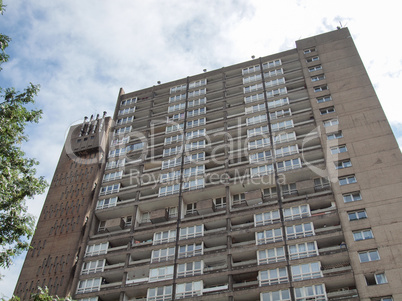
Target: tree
43	295
18	179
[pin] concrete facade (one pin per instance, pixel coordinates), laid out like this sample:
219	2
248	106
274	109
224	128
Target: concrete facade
274	179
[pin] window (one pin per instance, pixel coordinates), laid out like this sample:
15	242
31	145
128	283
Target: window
251	69
327	110
117	152
197	92
238	199
196	112
125	120
114	164
256	119
258	143
338	149
347	180
161	273
180	97
284	137
163	293
176	107
191	289
178	88
272	73
321	183
371	255
220	203
122	130
296	212
324	98
172	151
168	190
317	77
93	267
174	128
280	113
289	164
126	111
286	151
176	117
134	147
276	92
194	158
252	88
195	145
288	189
253	98
195	134
362	234
331	122
274	276
260	157
194	184
173	139
312	59
191	232
106	203
271	255
89	285
355	215
89	299
162	255
145	217
197	102
190	269
314	292
191	208
196	122
97	249
257	131
268	236
275	82
194	171
120	141
306	271
352	197
253	78
282	125
270	192
262	170
110	189
164	237
171	163
190	250
172	212
315	68
113	176
169	176
303	250
278	103
297	231
198	83
343	164
283	295
336	135
128	101
266	218
309	50
271	64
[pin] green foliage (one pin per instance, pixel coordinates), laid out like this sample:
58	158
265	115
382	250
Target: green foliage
43	295
17	173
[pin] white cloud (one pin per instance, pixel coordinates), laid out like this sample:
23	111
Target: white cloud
82	52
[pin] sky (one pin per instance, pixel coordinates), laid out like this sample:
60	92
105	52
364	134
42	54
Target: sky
82	52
